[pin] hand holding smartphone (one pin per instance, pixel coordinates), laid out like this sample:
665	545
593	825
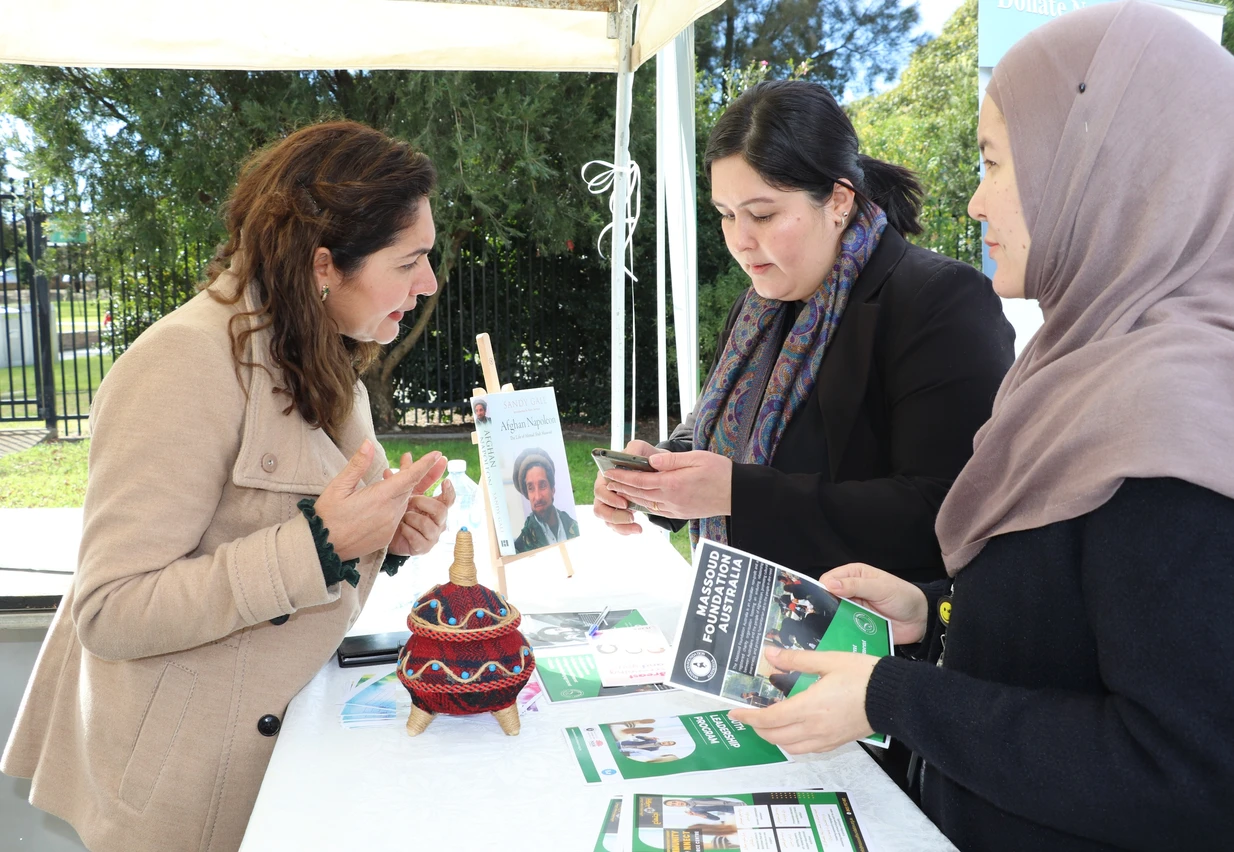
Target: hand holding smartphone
610	459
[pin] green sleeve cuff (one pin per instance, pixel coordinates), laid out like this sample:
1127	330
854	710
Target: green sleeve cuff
392	563
333	568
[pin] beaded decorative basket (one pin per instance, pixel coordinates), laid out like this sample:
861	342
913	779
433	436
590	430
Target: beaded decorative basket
466	654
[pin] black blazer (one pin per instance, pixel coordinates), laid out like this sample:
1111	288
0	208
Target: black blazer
860	472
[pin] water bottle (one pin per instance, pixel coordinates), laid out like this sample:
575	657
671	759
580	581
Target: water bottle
466	511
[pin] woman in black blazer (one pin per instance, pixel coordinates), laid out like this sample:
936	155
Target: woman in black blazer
852	375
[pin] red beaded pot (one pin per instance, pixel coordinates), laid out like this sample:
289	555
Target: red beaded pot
466	654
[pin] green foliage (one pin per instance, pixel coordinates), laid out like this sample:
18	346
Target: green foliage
846	44
155	152
160	149
1227	33
928	122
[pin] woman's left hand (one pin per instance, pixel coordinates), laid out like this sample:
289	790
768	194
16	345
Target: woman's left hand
828	714
696	484
425	519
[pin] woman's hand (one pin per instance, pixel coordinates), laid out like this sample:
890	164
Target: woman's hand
828	713
610	506
899	601
697	484
425	518
363	518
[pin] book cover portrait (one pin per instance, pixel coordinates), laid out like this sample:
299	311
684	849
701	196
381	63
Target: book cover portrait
524	461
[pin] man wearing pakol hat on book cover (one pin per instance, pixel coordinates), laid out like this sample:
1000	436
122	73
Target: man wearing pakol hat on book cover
535	475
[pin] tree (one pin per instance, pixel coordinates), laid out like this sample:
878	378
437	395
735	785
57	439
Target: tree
847	44
928	122
159	150
1227	33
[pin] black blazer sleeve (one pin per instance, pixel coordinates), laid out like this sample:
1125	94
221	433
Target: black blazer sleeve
941	351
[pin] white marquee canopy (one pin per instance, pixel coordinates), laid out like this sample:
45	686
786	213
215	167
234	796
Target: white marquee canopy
496	35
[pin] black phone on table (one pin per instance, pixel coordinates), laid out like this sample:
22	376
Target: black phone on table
372	649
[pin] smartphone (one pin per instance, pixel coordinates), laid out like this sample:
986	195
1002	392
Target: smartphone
371	649
610	459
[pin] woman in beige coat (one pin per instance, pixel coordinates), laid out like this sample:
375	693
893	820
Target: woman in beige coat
238	509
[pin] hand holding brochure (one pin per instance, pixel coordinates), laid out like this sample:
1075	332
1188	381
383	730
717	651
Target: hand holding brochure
740	605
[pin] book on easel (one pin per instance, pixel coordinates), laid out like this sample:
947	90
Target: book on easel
523	457
529	462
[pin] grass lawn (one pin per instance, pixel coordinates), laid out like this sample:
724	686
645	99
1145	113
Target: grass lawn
46	476
76	379
54	475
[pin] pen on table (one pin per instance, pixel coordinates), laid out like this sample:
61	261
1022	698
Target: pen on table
595	625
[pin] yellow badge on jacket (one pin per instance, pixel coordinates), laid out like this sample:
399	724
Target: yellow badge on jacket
944	610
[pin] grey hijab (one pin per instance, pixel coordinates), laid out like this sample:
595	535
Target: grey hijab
1121	119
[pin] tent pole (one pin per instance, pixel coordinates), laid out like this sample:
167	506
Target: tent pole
662	81
620	208
681	213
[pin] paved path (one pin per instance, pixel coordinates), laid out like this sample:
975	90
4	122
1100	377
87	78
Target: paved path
16	440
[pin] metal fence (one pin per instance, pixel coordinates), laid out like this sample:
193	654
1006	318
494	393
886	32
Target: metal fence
72	305
548	319
62	325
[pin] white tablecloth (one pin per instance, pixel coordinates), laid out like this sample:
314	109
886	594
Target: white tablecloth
38	556
463	784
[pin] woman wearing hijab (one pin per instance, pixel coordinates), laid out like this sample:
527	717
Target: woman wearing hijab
850	377
1083	700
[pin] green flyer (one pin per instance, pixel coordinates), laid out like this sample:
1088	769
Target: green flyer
807	821
610	832
651	748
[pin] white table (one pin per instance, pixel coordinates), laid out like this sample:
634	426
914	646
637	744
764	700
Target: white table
463	784
38	557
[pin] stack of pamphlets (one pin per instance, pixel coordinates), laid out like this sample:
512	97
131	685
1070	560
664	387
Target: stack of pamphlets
566	663
374	700
631	655
672	745
377	699
804	821
741	605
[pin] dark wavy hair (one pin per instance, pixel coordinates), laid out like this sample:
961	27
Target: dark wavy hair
341	186
795	135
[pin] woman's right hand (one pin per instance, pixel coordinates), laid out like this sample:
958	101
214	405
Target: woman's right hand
611	507
899	601
363	518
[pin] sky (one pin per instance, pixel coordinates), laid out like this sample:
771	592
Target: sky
934	13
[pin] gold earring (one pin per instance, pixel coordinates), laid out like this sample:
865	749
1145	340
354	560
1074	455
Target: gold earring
325	291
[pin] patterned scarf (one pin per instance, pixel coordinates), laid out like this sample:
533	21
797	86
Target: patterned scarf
757	385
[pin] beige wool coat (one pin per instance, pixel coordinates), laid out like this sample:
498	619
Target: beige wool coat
140	724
